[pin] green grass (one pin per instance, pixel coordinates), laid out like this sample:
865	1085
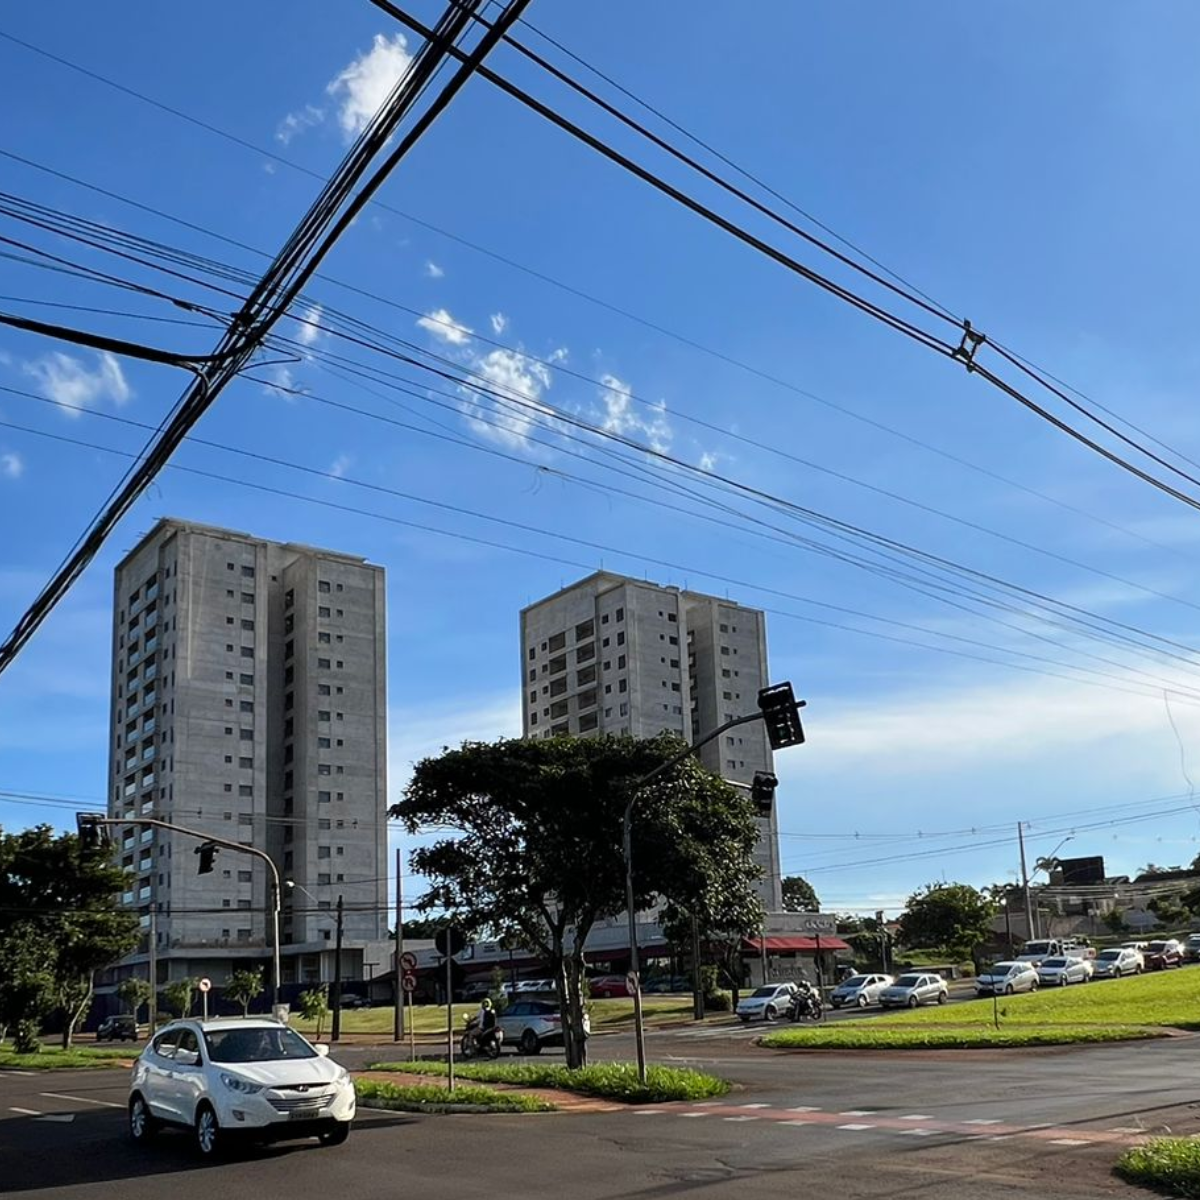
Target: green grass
415	1097
1170	1164
609	1081
1103	1011
431	1018
875	1035
51	1059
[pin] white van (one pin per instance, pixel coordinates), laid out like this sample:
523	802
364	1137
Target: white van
1034	952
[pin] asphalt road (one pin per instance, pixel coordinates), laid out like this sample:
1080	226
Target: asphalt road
986	1124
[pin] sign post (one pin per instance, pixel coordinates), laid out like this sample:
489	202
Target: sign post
408	984
449	942
205	986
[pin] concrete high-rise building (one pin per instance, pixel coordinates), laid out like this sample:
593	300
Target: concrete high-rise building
611	654
249	701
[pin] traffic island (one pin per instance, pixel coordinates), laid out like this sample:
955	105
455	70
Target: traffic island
875	1035
57	1059
1169	1165
437	1098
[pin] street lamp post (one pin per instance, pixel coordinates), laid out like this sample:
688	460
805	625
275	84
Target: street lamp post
780	710
90	825
335	993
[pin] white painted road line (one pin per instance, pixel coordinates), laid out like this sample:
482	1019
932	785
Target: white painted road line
743	1118
695	1114
916	1117
983	1121
647	1112
916	1132
14	1071
858	1112
26	1112
856	1127
754	1106
800	1124
81	1100
1127	1129
1069	1142
804	1108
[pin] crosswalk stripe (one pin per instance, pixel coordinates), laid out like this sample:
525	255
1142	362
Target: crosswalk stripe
856	1127
81	1100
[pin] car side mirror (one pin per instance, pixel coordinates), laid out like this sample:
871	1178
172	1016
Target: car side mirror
187	1058
322	1050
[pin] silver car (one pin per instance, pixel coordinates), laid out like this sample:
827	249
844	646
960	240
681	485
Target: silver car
531	1024
914	988
1122	960
1058	972
859	990
1005	978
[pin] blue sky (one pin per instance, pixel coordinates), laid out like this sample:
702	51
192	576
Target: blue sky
1031	171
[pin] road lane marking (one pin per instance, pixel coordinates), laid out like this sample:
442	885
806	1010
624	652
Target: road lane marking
916	1132
754	1106
1069	1142
743	1118
81	1099
858	1112
804	1108
986	1121
694	1114
14	1071
856	1127
916	1117
59	1118
647	1112
1127	1129
799	1124
26	1112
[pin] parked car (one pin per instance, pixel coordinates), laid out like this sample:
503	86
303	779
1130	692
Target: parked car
914	988
355	1002
117	1029
607	987
859	990
531	1024
1005	978
1158	956
1191	948
535	987
248	1076
668	984
1120	960
766	1003
1058	972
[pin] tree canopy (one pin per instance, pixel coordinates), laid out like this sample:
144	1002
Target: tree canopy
59	922
799	895
533	843
954	917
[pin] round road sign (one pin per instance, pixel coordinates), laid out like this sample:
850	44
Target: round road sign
631	983
408	961
204	985
408	982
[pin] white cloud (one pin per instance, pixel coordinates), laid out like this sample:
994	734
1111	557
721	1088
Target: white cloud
281	383
69	382
421	731
433	270
361	88
309	325
442	325
297	122
623	415
499	323
340	465
708	460
12	466
510	373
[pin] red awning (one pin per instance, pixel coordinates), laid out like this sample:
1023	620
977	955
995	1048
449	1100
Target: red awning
781	943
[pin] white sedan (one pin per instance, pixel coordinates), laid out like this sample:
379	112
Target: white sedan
766	1003
1058	972
249	1076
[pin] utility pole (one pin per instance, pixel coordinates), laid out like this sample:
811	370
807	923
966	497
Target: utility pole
1030	915
335	1031
398	1012
697	975
153	967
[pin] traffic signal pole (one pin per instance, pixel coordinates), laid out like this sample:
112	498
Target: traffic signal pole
98	821
773	704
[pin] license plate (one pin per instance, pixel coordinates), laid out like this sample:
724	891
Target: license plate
304	1114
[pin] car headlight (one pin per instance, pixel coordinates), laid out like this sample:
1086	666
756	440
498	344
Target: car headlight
236	1084
342	1077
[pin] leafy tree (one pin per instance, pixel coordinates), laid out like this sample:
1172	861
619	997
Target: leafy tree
244	987
135	992
799	895
534	844
180	996
953	917
26	983
55	890
314	1005
422	929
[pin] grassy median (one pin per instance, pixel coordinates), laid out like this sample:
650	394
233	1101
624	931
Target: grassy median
52	1059
608	1081
424	1096
1170	1165
1102	1011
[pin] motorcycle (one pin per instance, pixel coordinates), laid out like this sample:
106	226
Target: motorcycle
482	1042
806	1005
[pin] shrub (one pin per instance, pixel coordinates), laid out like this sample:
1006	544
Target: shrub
1172	1165
718	1001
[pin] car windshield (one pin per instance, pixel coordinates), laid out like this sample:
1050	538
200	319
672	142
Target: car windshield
763	991
1156	947
1002	968
855	981
907	981
256	1044
1054	962
1037	948
1109	955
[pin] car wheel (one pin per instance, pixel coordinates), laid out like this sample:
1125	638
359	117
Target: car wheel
942	997
1008	989
1063	980
1033	987
912	1002
530	1043
208	1132
770	1014
142	1125
335	1136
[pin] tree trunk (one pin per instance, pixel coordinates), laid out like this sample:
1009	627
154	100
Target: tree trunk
73	1013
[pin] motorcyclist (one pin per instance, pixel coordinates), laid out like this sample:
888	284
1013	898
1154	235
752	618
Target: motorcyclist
484	1023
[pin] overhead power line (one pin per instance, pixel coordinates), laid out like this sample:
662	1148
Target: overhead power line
341	200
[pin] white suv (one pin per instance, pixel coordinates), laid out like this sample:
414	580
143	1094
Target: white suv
248	1076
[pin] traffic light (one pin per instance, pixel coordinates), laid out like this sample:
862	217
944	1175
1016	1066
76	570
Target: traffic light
762	792
208	853
781	715
92	835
